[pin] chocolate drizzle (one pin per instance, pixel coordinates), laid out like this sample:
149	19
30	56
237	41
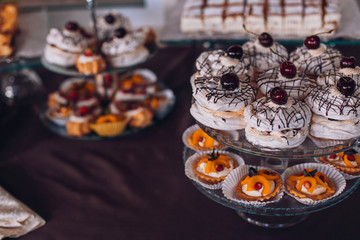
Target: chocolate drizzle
75	40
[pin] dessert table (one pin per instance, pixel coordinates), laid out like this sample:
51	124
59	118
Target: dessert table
134	187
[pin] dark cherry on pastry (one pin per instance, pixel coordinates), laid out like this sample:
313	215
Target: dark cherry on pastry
84	111
235	51
71	26
312	42
288	69
346	85
110	18
229	81
120	32
348	62
278	96
265	39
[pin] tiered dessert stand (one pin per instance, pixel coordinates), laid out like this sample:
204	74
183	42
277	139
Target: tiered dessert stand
287	211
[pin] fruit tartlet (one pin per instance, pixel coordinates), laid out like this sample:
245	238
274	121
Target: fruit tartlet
336	110
109	125
347	162
312	183
90	62
218	62
65	46
79	122
277	121
220	101
253	185
59	114
315	58
210	168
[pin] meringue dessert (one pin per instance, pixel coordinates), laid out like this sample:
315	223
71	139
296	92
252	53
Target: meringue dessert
90	62
213	168
315	58
310	184
259	185
220	101
347	162
219	62
278	121
336	110
65	46
259	54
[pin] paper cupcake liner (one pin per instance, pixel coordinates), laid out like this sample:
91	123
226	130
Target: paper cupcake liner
322	143
233	135
336	177
109	129
190	173
233	179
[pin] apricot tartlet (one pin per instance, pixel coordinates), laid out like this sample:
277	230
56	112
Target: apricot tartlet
310	183
258	185
347	162
109	125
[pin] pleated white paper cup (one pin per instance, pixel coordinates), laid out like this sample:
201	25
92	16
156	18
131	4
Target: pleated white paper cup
323	143
234	178
190	130
335	176
190	173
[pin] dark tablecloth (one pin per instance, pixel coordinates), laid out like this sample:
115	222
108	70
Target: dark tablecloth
134	187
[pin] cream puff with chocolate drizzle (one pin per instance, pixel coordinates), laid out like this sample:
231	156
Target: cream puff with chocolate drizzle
277	121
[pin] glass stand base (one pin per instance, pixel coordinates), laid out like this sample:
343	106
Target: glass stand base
272	221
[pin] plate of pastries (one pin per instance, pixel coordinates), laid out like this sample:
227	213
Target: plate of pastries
73	51
108	105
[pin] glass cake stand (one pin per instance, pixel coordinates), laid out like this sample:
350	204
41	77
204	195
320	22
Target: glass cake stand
284	213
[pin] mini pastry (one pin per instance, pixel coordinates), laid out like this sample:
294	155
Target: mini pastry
109	125
347	68
90	62
278	121
65	46
79	123
201	141
258	52
220	101
107	23
286	76
213	168
315	58
336	110
139	116
259	185
310	183
106	85
219	62
126	48
347	162
59	114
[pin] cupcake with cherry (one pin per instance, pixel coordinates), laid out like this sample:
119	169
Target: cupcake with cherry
286	76
258	52
313	183
253	185
335	111
90	62
277	121
210	168
315	58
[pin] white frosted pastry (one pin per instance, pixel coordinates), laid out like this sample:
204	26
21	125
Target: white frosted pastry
217	63
277	126
126	48
330	77
261	57
296	87
315	61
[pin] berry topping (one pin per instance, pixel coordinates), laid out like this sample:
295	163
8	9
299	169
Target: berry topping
84	111
333	156
120	32
71	26
229	81
312	42
88	52
307	185
351	157
346	85
219	168
266	40
278	96
109	19
235	51
73	95
107	80
200	139
258	186
288	69
348	62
